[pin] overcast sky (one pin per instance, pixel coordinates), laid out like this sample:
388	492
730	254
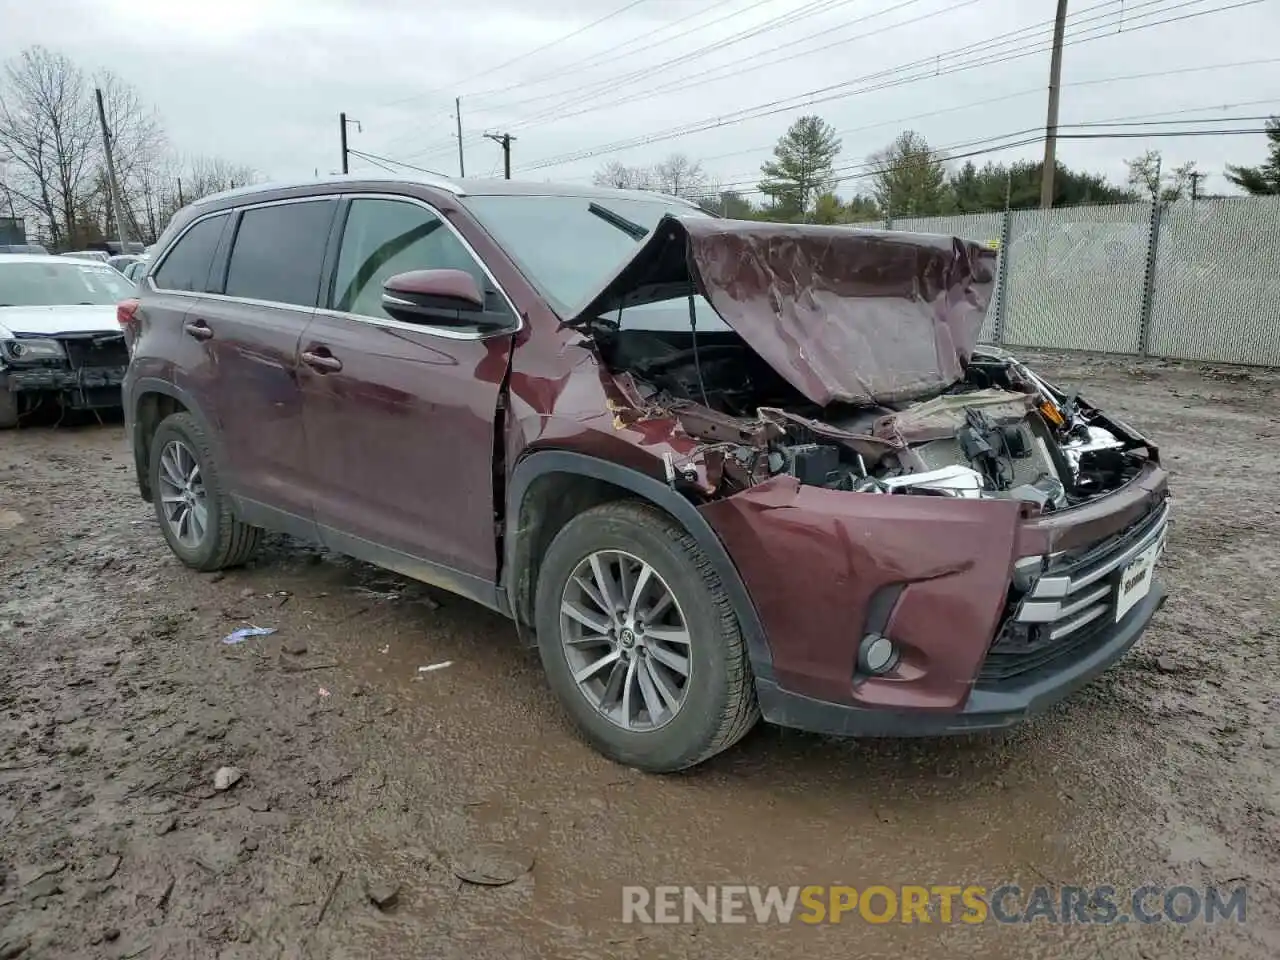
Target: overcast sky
261	82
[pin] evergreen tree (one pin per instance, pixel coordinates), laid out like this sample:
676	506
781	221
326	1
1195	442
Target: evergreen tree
909	178
802	168
1263	180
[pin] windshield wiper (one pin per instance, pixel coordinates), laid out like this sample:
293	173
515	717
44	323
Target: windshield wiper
632	230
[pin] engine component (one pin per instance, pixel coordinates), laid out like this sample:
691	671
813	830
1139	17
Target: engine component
953	481
1047	492
1095	438
815	464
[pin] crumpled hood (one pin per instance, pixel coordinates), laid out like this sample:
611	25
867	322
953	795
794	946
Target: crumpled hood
855	316
52	321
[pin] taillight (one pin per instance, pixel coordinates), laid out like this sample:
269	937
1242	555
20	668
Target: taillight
127	317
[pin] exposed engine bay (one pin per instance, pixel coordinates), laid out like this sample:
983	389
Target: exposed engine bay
1000	432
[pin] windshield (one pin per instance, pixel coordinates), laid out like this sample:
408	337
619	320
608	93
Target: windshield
569	246
53	284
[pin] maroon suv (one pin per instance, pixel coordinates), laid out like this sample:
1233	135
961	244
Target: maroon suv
713	469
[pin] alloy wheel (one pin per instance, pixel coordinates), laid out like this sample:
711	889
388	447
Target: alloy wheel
182	494
626	640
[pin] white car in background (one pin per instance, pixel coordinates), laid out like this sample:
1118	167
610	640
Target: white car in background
60	342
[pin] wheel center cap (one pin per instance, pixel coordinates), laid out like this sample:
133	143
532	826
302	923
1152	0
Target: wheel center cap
627	638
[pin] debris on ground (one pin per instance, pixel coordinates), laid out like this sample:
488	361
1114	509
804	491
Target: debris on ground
247	633
431	668
492	866
323	692
226	778
382	895
294	645
333	889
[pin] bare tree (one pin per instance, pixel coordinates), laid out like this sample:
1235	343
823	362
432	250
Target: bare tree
623	177
206	175
680	176
1146	172
47	131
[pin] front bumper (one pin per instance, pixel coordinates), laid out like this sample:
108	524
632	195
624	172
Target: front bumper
940	578
86	388
993	707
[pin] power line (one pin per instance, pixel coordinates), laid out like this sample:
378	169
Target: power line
784	20
526	55
988	101
869	170
374	158
1160	123
744	179
357	153
931	66
611	84
987	45
789	103
682	83
593	59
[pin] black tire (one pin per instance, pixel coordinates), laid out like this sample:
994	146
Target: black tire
8	409
720	705
226	542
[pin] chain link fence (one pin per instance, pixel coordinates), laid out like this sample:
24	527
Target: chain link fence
1193	280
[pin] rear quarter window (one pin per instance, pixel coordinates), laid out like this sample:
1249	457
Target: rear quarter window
188	264
279	252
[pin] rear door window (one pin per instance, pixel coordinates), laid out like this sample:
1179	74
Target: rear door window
188	263
279	252
384	237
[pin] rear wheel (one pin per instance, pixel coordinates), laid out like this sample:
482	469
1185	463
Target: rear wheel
639	640
194	511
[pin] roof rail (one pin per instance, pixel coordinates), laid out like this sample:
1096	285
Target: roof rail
442	183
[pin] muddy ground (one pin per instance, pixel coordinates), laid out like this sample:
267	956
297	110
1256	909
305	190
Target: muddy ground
119	702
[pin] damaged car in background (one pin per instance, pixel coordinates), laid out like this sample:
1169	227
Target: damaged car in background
714	470
60	345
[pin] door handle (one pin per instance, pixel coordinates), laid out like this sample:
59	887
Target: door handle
198	329
322	362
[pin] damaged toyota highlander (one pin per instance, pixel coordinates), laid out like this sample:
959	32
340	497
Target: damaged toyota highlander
713	470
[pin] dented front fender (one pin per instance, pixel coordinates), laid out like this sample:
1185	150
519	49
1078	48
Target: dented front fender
816	561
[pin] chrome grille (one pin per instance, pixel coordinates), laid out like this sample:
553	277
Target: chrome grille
1064	601
1066	610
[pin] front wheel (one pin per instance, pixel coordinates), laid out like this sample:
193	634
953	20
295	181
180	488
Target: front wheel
639	640
194	511
8	409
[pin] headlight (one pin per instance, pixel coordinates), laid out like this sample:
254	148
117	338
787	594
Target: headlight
31	348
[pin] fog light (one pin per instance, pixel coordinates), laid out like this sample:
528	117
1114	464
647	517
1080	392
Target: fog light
877	654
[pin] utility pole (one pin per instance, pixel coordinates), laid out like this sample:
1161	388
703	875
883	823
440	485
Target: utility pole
112	183
1051	121
342	123
503	140
457	112
1195	185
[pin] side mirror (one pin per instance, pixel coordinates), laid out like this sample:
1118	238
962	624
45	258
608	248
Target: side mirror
433	296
